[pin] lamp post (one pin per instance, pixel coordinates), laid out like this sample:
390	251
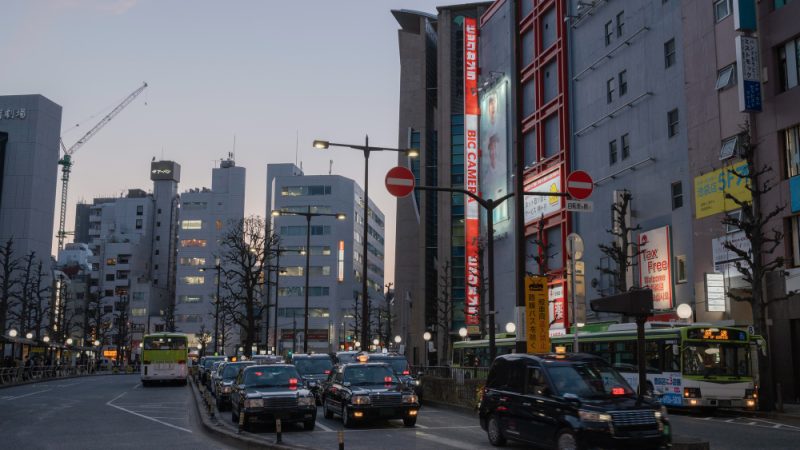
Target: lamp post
218	268
366	149
427	337
278	252
308	215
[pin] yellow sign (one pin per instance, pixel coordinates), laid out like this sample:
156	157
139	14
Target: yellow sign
110	354
710	190
537	320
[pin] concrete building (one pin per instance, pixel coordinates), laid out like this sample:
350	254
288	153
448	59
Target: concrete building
30	126
336	254
430	226
716	118
205	216
628	116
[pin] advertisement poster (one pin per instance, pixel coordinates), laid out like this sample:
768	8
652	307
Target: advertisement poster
655	269
537	320
494	145
537	206
710	190
557	304
471	172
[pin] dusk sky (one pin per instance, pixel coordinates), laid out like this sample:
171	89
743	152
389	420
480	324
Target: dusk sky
262	71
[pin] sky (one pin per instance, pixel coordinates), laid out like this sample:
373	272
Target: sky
270	75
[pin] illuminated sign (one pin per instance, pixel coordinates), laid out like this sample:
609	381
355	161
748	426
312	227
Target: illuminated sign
537	206
110	354
340	262
471	155
710	190
10	114
537	320
165	170
716	334
655	270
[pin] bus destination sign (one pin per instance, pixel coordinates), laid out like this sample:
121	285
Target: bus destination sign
716	334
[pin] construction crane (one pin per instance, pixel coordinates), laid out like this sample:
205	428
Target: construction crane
66	161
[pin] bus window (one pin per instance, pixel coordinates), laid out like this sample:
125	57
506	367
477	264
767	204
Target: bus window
652	356
625	356
672	362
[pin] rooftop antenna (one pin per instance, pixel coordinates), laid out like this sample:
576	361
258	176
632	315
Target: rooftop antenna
330	167
231	155
162	152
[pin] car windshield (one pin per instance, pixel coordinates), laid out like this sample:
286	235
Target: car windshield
231	370
165	343
364	375
588	380
399	365
716	359
271	376
313	366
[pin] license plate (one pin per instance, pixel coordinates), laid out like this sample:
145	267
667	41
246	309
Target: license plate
387	412
724	403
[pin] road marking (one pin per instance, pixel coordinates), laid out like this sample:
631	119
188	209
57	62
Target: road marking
441	440
402	428
422	426
110	403
26	395
70	384
324	427
137	385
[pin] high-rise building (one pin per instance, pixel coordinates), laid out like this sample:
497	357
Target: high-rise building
335	258
205	216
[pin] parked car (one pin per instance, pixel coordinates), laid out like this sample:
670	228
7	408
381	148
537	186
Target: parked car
315	369
568	401
206	363
401	368
213	373
262	393
223	385
362	391
345	357
268	359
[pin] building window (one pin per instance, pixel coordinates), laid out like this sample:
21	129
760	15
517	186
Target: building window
623	83
138	296
680	269
294	191
612	152
792	145
677	195
728	148
726	77
527	48
789	64
735	215
139	210
190	298
109	277
528	98
722	9
300	230
138	312
626	146
548	28
669	53
609	90
620	23
609	32
194	280
193	242
139	224
552	139
191	224
218	225
184	261
672	123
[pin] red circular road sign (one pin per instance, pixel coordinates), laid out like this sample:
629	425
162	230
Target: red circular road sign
400	181
579	185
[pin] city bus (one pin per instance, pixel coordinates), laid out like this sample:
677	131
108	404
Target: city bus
688	366
164	358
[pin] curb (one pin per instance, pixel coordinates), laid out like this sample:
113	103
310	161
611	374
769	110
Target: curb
24	383
220	430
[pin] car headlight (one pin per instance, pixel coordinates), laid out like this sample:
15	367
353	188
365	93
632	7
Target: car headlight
662	413
254	403
410	398
593	416
306	401
360	400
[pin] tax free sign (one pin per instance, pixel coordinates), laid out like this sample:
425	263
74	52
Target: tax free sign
655	271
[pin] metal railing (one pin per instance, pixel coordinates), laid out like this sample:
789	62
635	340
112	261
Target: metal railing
459	374
459	386
16	375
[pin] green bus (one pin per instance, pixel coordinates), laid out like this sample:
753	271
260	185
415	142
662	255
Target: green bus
164	358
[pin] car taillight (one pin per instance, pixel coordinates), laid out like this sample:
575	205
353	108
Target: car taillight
387	379
617	391
406	372
327	372
292	381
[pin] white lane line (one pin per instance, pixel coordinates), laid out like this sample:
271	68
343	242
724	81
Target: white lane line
110	403
328	429
26	395
70	384
422	426
441	440
402	428
137	385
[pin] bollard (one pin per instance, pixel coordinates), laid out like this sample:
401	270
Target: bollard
278	438
341	440
241	421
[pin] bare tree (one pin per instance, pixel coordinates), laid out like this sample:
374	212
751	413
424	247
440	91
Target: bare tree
356	325
444	311
622	251
9	265
244	251
758	263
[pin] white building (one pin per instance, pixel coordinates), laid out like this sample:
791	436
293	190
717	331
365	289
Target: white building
205	216
335	257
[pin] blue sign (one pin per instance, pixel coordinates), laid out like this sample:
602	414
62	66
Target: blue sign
752	95
794	191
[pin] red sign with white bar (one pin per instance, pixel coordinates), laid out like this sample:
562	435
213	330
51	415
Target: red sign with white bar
579	185
471	224
400	181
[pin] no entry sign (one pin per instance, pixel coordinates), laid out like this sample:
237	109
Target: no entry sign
579	185
400	181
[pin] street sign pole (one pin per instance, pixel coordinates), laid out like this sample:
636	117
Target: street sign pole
575	252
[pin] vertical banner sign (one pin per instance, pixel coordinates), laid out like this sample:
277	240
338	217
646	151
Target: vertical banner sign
748	69
537	320
471	213
655	270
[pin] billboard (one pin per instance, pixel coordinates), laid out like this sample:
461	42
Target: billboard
471	173
494	146
537	320
165	170
710	190
537	206
655	266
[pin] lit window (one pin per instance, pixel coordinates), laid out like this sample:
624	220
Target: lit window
191	224
193	242
219	225
138	312
190	298
194	280
726	77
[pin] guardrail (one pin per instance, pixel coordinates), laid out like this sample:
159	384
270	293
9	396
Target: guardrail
457	386
16	375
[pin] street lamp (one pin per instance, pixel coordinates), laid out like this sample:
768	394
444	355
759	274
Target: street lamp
308	215
69	341
462	332
218	268
29	335
12	333
398	339
366	149
427	336
511	328
97	343
357	344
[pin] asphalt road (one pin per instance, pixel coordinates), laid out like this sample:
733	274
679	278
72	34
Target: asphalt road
100	412
104	412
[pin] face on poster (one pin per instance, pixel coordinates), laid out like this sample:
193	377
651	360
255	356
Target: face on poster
494	142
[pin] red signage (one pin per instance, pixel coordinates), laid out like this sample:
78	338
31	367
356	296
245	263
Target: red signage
471	224
400	181
579	185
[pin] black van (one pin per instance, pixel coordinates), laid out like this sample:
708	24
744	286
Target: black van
568	401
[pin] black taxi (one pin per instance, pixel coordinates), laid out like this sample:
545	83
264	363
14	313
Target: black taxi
368	390
264	393
568	401
400	366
